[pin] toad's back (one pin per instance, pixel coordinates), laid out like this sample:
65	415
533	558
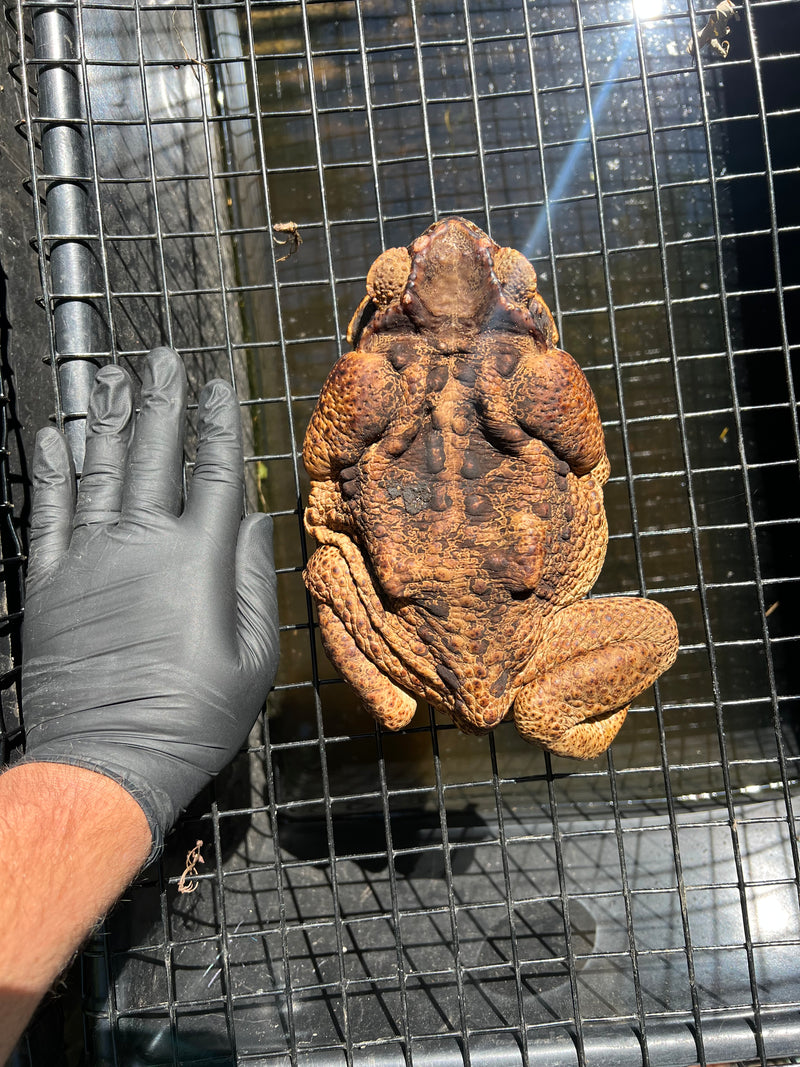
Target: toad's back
455	502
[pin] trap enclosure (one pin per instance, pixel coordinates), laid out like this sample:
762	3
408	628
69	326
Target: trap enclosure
219	177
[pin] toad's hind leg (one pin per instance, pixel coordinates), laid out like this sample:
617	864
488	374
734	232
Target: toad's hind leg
595	657
386	702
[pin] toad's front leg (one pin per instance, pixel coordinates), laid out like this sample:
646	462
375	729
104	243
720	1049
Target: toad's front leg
594	658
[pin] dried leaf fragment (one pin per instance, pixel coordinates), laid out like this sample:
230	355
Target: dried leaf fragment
716	31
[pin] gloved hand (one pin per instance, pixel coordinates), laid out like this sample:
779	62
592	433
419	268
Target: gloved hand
150	636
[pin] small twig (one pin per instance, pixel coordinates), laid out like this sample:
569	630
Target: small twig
293	239
194	62
193	857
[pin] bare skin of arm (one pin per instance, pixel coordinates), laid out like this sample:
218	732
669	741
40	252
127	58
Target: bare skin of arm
71	840
150	641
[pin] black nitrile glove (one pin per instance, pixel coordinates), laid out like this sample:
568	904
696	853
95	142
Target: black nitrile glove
151	636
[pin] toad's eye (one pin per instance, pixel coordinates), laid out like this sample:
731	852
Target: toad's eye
363	313
516	275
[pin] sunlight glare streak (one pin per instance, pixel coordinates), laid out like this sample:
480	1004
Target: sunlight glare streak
648	9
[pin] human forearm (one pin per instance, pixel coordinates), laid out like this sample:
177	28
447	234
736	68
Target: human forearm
70	842
149	643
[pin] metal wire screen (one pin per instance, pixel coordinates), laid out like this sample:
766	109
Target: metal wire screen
427	897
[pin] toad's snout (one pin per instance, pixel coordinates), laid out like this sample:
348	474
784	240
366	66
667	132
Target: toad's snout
452	283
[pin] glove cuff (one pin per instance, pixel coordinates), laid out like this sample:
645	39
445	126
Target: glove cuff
155	804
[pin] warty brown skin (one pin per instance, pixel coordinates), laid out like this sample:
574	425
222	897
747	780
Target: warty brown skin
457	460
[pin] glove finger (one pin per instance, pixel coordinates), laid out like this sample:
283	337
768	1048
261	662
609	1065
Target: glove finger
53	478
257	602
155	458
216	494
108	434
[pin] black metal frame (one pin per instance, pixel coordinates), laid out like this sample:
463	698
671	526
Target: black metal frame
417	898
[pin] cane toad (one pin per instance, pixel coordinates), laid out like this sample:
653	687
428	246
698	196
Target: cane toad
457	461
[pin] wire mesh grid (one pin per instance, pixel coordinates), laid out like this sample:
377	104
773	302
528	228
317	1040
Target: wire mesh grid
11	590
427	897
